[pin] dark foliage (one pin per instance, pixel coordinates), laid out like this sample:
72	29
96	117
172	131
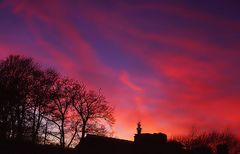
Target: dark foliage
39	106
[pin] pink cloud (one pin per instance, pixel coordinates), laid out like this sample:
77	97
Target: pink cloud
124	78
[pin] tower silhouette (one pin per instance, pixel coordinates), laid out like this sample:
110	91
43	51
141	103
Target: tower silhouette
139	128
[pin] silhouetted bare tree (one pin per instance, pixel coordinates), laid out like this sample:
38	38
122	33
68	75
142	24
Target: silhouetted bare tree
62	111
25	91
40	98
94	111
17	77
39	105
210	139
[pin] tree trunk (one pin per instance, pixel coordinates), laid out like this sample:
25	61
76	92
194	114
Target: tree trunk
45	133
83	131
34	125
62	133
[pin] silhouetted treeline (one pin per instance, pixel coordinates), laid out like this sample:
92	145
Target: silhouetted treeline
41	106
220	142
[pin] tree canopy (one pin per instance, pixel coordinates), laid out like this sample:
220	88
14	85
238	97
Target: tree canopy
40	105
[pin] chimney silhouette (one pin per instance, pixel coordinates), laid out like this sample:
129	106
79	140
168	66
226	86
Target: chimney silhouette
139	129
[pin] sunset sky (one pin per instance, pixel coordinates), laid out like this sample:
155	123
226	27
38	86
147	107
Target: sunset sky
169	64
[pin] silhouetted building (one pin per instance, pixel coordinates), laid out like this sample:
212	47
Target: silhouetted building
146	142
146	138
150	143
143	143
94	144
